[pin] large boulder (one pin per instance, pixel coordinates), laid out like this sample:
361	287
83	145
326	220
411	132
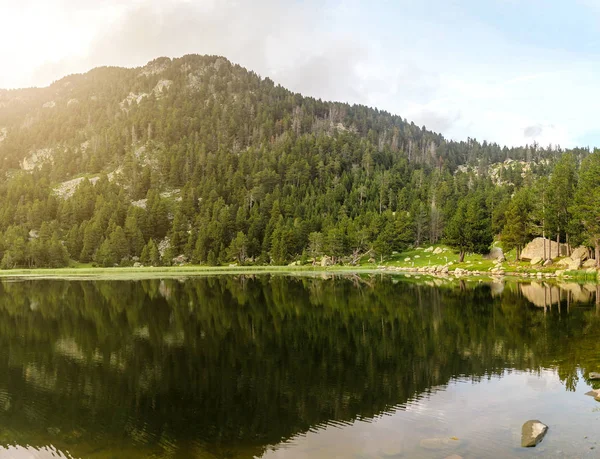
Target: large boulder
536	249
532	433
591	263
495	254
575	264
564	261
580	252
536	260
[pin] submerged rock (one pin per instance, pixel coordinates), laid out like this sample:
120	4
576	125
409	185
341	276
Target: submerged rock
532	433
594	393
439	443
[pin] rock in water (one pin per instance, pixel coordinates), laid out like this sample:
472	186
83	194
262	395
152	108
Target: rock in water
532	433
593	375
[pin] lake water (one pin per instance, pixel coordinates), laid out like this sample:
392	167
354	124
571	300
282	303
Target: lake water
296	367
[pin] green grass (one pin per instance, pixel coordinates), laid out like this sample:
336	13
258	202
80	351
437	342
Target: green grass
413	258
419	258
85	271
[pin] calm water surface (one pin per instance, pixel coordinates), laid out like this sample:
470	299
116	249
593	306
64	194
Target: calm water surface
295	367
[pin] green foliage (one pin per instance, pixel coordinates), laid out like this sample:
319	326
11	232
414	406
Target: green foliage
224	157
470	229
518	227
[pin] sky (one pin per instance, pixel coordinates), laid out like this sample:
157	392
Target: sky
507	71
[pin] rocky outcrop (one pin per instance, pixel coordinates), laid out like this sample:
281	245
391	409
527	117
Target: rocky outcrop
580	252
532	433
536	249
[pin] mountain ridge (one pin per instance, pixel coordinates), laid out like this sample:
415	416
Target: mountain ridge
231	166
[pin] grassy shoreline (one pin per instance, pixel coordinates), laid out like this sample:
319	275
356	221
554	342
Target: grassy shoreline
165	271
414	262
197	270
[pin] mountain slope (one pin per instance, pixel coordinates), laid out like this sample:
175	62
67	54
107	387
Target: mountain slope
224	164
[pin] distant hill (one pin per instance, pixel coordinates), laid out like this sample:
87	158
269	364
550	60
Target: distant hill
202	158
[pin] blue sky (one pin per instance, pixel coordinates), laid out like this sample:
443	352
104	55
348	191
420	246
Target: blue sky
507	71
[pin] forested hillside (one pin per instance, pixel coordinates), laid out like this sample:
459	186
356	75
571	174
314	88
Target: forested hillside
200	160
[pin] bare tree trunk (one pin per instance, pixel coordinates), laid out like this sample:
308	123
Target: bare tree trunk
558	243
544	238
461	256
597	252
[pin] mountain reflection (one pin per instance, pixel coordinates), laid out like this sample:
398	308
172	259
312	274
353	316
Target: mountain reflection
226	366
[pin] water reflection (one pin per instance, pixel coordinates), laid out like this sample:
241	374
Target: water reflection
545	295
239	366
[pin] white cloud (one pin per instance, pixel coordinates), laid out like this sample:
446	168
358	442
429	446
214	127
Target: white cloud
450	70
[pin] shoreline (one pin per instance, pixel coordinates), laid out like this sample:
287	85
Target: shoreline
195	270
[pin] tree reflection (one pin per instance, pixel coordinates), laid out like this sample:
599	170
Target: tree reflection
230	365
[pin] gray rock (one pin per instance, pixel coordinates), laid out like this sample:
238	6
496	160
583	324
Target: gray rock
589	263
593	376
532	433
580	252
179	259
536	249
495	254
564	262
536	260
594	393
548	262
326	261
575	264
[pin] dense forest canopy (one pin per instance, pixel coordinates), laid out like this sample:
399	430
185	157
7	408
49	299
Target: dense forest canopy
199	159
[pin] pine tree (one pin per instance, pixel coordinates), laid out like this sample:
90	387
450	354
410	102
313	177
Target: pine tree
238	249
587	201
